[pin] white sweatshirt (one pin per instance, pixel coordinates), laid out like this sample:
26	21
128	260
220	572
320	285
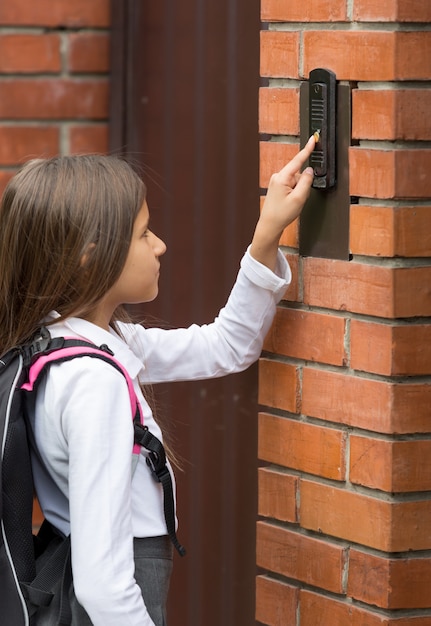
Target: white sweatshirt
83	428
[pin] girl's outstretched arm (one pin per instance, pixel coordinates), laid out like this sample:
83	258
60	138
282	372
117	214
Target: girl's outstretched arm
287	192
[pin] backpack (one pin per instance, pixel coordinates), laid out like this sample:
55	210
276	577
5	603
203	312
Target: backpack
35	571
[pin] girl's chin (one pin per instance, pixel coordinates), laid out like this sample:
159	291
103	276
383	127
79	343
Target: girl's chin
147	299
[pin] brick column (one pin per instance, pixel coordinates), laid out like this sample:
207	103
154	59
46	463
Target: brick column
344	535
53	79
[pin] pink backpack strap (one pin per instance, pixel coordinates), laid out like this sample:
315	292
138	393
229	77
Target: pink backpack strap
70	351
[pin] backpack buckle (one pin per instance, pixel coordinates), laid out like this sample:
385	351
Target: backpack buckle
157	466
38	344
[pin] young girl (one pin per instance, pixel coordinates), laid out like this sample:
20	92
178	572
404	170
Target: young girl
75	245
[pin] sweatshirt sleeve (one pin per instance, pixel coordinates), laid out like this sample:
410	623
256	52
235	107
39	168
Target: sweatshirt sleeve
229	344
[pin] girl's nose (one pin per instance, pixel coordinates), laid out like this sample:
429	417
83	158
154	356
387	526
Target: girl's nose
159	246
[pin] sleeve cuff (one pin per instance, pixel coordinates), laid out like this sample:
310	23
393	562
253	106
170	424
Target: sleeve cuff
262	276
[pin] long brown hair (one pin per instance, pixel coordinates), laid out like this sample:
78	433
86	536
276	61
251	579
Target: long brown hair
55	212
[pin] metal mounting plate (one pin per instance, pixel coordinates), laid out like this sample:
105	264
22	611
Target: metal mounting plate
324	222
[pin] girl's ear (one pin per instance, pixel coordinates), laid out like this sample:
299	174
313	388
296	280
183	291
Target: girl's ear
86	256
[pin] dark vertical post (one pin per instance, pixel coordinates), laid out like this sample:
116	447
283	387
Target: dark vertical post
187	115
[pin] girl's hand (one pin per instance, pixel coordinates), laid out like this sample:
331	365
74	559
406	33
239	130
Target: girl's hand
287	193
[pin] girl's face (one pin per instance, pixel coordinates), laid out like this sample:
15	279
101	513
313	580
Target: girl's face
139	279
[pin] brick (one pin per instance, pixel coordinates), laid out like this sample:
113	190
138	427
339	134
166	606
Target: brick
389	583
301	446
79	13
409	65
276	602
369	289
279	111
290	236
88	52
300	557
88	139
390	231
390	173
395	114
384	525
348	286
277	495
279	55
345	515
412	295
5	177
391	11
410	526
392	466
274	156
54	99
390	350
370	462
374	405
303	11
307	335
409	403
278	385
375	586
21	143
412	231
316	609
373	55
379	166
29	53
373	114
372	230
292	292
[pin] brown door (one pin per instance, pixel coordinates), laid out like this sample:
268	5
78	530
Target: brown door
184	107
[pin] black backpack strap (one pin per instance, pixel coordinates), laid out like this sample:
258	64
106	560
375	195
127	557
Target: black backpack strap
156	461
42	344
57	565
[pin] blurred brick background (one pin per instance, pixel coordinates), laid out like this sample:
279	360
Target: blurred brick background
54	79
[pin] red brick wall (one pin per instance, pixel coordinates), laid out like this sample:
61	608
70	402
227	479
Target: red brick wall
344	535
54	83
